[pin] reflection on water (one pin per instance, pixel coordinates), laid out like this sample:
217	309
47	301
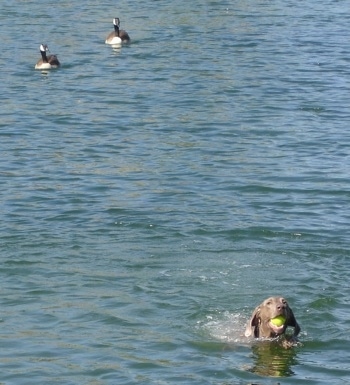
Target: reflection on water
271	359
116	47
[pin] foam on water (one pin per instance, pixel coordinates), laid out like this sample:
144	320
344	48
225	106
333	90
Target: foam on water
226	327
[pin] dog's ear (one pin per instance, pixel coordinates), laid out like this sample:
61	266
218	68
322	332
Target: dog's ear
291	321
251	329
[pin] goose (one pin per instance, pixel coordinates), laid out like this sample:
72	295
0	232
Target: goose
46	62
118	36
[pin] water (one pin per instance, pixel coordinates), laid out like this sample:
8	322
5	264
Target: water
152	196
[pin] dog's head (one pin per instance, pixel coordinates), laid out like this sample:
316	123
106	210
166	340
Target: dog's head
260	324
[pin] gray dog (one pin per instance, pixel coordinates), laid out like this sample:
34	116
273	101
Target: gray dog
260	325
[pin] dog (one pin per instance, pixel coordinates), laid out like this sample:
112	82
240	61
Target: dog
260	325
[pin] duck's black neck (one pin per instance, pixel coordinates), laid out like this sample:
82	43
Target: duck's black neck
116	30
43	55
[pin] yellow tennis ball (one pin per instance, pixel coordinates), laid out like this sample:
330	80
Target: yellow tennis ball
278	321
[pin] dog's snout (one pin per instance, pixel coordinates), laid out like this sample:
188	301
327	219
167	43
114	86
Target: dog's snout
282	304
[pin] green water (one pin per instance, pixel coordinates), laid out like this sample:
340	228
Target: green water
153	195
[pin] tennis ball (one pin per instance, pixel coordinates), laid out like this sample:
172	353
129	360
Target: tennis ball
278	321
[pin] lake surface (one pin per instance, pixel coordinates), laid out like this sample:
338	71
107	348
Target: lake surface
153	195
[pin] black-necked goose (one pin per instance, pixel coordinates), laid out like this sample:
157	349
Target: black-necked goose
46	62
118	36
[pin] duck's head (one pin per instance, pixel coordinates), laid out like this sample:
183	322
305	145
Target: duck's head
44	48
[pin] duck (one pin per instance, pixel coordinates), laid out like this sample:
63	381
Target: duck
46	62
118	36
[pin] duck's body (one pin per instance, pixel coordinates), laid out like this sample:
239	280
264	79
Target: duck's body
46	62
118	36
